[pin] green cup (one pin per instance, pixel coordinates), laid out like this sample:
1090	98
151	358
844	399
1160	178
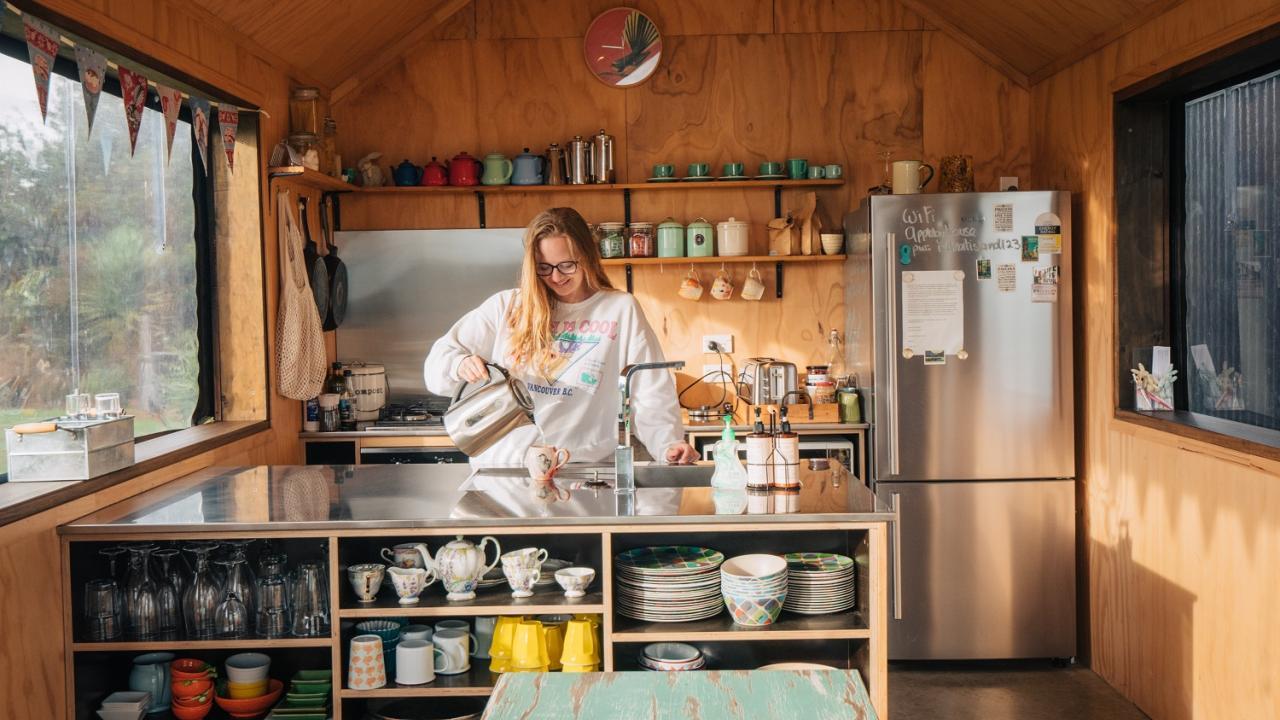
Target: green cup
770	168
734	169
699	169
817	172
797	168
834	172
664	170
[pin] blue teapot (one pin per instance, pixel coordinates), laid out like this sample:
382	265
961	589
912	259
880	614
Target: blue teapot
406	173
528	169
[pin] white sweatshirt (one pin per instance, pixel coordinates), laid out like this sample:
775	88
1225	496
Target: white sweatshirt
578	409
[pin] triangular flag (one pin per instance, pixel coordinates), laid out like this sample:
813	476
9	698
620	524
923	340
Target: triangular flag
133	89
228	120
42	48
200	128
170	104
93	71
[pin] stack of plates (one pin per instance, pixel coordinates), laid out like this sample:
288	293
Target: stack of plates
819	583
493	578
669	583
672	657
549	568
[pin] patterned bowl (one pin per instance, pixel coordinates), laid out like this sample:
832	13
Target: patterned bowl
755	611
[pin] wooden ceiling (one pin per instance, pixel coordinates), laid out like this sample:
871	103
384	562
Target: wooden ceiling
338	44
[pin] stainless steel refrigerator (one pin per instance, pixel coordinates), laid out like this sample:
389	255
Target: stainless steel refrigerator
959	313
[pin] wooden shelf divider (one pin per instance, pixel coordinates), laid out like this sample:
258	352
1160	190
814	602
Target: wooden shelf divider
476	682
546	600
198	645
789	626
604	187
724	259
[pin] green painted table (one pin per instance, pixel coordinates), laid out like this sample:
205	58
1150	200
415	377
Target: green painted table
715	695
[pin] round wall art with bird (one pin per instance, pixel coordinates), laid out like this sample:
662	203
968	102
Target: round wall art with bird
622	47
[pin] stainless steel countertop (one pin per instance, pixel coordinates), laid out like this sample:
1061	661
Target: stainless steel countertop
240	499
702	429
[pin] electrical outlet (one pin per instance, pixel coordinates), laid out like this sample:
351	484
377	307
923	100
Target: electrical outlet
725	342
713	373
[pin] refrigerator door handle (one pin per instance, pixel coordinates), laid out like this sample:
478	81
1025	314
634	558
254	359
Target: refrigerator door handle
891	359
896	504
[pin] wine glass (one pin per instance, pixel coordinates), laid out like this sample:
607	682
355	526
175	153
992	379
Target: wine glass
142	604
169	569
231	618
202	596
238	578
886	185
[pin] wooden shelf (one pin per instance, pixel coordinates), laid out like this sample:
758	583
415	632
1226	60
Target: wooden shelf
197	645
310	178
702	185
546	600
725	259
477	682
789	626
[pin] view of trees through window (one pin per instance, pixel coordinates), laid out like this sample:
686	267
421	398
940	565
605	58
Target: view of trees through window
97	258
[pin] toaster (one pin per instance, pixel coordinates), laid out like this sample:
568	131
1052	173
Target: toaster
766	381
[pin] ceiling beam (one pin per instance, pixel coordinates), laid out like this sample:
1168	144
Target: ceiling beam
982	51
395	51
1146	13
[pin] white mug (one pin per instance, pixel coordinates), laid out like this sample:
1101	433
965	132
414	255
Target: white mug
417	632
404	555
906	177
455	651
544	460
522	577
462	625
415	662
484	635
753	288
526	556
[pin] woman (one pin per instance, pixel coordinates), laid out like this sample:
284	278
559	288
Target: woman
567	333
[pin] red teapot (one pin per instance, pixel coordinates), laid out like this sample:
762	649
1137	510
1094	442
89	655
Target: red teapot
435	173
464	170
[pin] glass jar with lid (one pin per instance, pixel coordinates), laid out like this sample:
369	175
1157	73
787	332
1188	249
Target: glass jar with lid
306	111
307	146
641	240
610	237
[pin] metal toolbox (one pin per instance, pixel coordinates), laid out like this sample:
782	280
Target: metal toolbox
66	449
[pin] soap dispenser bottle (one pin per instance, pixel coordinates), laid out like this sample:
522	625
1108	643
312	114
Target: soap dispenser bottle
729	473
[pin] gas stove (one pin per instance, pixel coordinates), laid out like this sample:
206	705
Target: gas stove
415	414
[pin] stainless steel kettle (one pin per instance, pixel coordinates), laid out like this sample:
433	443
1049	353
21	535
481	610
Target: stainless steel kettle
488	413
577	159
602	157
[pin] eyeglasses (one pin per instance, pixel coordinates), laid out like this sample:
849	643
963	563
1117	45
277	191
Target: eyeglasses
568	267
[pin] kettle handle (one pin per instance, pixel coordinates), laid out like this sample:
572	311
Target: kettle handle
497	552
457	394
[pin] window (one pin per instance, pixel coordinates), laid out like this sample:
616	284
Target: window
1197	248
99	257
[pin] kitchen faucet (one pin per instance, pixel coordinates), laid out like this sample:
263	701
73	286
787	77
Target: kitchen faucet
624	456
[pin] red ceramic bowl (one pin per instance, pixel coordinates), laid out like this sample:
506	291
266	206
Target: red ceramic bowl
249	707
190	669
195	700
191	688
184	712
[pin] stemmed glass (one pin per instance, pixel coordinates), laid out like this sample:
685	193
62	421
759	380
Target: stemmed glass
231	618
142	604
886	186
170	570
238	578
201	597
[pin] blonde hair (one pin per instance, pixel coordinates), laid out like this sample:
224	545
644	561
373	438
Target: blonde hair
532	345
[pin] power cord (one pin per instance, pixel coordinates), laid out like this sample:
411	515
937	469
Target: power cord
725	378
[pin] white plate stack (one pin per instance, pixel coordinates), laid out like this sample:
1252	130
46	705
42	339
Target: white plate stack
819	583
669	583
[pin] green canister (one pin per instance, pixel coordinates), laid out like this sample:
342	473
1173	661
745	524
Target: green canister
850	405
700	239
670	238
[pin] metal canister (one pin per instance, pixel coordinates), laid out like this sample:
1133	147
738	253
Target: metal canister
578	161
700	239
670	239
613	244
602	157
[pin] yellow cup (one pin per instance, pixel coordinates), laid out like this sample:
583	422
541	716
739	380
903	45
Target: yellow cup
246	690
529	647
580	668
593	618
580	646
555	643
500	648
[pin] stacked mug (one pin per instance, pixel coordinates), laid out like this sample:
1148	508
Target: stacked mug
523	567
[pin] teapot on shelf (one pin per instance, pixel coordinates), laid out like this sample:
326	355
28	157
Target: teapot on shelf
528	169
435	173
464	169
460	565
406	173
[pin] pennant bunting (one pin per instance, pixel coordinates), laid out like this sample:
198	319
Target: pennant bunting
228	120
200	128
42	49
93	71
133	89
170	104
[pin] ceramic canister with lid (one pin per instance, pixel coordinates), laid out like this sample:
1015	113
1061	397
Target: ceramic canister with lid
670	238
734	236
700	239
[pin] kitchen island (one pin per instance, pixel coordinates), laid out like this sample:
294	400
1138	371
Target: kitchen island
344	515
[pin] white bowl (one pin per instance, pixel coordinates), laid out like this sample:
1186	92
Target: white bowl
831	243
575	580
755	567
796	666
248	667
671	652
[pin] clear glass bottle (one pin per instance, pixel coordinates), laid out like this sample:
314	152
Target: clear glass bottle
347	404
835	356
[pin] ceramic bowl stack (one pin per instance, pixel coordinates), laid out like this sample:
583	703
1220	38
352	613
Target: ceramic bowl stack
820	583
754	588
672	657
669	583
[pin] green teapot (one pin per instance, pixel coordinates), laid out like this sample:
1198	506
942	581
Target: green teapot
497	170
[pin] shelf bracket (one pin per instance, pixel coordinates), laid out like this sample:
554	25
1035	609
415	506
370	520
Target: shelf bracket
777	203
480	208
626	211
630	284
777	277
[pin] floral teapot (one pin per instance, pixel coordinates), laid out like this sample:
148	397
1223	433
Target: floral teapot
460	565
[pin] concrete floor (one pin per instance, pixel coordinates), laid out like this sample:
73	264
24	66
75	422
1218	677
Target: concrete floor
1000	691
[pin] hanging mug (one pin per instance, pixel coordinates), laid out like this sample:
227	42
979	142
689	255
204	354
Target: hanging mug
691	286
753	288
722	288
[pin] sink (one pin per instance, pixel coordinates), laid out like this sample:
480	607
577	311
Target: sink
674	476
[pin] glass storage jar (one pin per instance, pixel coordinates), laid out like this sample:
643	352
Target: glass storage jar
641	240
610	237
307	145
306	111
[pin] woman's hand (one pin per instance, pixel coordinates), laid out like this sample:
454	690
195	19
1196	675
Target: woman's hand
472	369
681	454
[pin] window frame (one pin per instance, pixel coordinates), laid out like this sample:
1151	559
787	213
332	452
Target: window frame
1153	171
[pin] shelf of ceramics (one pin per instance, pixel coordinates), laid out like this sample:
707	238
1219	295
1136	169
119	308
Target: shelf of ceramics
477	681
789	626
546	600
605	187
725	260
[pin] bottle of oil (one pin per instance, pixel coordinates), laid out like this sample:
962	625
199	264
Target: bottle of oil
759	445
786	474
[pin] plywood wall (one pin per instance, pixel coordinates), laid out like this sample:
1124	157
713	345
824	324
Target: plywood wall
747	81
1182	538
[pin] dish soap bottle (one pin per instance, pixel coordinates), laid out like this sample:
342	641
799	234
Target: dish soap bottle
729	472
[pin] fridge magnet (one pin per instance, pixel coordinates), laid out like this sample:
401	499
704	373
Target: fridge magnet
963	355
622	47
904	254
1006	277
908	353
984	268
1049	232
1030	248
1044	284
1002	217
42	49
935	357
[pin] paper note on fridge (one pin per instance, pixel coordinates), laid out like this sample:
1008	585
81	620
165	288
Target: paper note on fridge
933	311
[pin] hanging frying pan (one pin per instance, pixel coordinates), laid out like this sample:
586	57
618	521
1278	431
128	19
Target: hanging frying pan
317	270
337	270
